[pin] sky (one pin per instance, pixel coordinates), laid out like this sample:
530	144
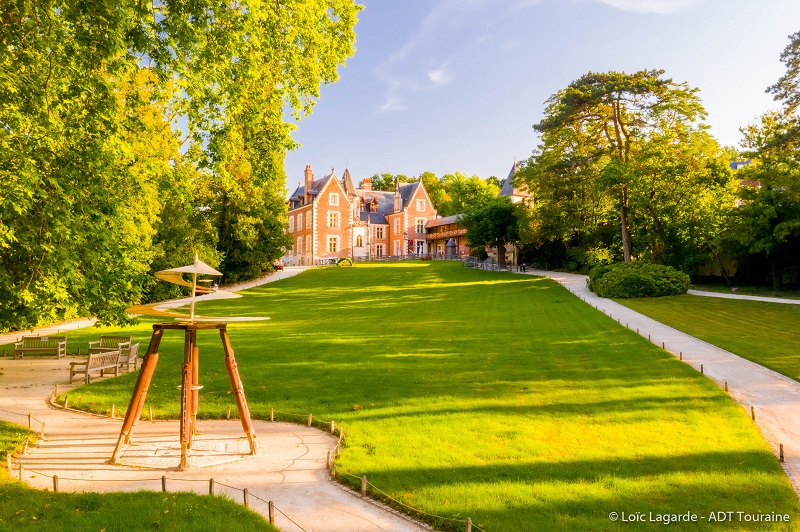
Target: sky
456	85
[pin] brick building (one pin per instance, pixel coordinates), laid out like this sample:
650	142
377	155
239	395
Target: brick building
329	218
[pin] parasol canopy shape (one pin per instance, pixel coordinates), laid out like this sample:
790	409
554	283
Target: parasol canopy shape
175	276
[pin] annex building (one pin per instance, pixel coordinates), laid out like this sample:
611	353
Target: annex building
329	218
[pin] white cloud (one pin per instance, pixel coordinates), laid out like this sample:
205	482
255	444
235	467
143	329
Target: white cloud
439	77
392	104
651	6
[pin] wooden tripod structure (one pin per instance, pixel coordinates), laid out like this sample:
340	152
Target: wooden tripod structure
189	387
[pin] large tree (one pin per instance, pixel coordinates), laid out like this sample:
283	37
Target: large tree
84	159
495	224
612	116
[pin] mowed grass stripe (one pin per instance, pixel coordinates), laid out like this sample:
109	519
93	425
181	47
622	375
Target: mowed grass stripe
766	333
486	395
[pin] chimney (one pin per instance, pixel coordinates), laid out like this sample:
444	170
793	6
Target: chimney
309	180
366	184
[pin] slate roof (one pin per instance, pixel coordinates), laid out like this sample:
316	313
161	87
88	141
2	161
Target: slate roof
385	205
443	221
508	186
316	186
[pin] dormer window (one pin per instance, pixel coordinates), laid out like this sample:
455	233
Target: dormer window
373	205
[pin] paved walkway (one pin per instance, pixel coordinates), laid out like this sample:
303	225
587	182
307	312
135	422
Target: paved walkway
723	295
775	398
290	471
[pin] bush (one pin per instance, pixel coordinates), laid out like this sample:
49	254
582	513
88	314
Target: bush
344	261
637	279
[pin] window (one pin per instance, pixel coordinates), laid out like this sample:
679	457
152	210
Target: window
298	250
333	198
398	247
300	222
397	226
308	218
379	232
379	250
420	204
291	224
420	247
308	244
359	241
333	219
419	225
333	244
373	205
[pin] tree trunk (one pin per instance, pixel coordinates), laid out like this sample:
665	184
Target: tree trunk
626	232
501	252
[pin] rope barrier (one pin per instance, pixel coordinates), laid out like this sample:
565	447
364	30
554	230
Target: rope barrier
289	518
415	510
22	415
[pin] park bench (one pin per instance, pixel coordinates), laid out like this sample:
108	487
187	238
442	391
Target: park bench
96	362
129	358
41	345
110	343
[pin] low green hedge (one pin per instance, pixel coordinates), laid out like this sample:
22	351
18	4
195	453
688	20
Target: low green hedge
637	279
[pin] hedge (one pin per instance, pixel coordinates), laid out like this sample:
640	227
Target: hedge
637	279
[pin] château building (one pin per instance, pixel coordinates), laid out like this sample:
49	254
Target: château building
329	218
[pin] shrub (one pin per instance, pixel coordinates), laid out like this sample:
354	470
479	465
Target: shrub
637	279
344	261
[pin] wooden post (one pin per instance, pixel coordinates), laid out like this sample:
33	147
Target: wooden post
272	414
328	460
55	483
333	427
648	337
333	470
701	370
238	390
113	411
164	483
55	392
726	386
211	486
663	345
10	465
681	355
780	447
20	471
753	413
151	413
364	486
29	421
309	420
66	401
246	498
469	524
271	513
228	413
25	446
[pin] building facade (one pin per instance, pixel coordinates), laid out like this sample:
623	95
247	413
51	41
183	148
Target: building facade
329	218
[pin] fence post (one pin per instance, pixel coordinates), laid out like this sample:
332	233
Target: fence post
164	483
333	427
272	414
753	413
469	524
113	411
151	413
211	486
10	465
781	452
29	421
55	483
228	413
309	420
328	460
246	498
20	471
66	401
333	469
25	446
271	513
364	486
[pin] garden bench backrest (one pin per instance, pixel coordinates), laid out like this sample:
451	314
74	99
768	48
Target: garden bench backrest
38	342
113	341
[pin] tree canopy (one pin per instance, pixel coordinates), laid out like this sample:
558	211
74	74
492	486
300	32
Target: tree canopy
95	167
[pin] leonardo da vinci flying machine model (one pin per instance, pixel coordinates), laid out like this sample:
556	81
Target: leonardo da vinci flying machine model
190	324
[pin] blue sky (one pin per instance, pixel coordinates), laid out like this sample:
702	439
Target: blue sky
445	86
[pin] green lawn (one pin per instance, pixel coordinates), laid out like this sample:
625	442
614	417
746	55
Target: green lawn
753	290
23	508
766	333
479	394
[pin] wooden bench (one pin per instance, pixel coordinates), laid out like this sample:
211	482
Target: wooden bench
110	343
129	358
41	345
102	362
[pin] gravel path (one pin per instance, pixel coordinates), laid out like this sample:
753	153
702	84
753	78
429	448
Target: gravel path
774	397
